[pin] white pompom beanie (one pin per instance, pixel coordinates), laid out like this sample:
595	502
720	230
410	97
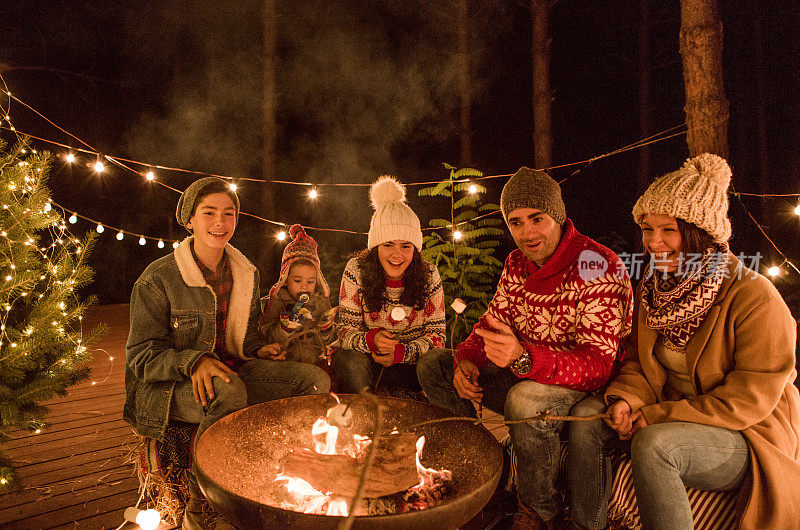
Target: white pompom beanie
393	219
696	193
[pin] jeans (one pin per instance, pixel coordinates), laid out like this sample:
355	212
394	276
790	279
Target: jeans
355	370
257	381
536	443
668	457
589	477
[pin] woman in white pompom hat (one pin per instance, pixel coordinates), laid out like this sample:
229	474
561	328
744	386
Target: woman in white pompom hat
391	302
706	395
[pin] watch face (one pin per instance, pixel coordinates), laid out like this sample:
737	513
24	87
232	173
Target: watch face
522	365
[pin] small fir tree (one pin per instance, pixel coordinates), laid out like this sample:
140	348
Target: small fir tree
42	348
466	264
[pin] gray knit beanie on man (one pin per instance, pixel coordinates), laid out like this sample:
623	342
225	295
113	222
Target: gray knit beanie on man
531	188
188	198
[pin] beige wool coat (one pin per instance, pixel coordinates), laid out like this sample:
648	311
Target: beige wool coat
742	364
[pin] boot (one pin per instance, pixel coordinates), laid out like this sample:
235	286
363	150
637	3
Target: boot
199	515
526	518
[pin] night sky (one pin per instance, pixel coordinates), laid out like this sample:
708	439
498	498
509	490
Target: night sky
370	88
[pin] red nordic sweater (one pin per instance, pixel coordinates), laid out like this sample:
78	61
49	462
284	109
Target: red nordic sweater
570	315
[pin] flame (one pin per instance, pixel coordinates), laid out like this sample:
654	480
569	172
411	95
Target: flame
427	476
307	499
325	436
337	507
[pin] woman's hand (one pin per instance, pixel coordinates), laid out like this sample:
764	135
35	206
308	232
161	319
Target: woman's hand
272	351
385	341
203	372
620	419
465	379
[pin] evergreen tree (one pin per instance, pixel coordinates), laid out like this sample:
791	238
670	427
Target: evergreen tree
42	347
465	259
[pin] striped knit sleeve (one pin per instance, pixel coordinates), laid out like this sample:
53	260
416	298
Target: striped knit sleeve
603	320
353	330
434	324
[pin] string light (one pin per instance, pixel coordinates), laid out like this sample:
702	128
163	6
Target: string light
142	241
146	519
281	236
774	271
457	235
797	210
120	235
313	193
100	228
160	243
233	187
174	244
473	189
73	219
48	207
99	167
70	158
150	175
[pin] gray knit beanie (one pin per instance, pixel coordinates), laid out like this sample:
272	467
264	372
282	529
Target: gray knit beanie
188	198
531	188
696	193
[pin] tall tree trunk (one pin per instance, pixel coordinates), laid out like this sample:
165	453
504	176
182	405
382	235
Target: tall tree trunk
542	94
465	131
268	124
645	110
706	104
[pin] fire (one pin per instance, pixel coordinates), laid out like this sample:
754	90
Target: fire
304	498
428	476
325	436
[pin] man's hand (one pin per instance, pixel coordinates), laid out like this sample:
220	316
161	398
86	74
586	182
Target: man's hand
384	359
272	351
385	341
465	380
621	418
501	346
203	373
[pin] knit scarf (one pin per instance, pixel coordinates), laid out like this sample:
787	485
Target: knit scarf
676	309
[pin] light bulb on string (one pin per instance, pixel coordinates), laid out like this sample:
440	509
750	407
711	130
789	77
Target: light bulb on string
142	241
120	235
100	228
48	207
457	235
174	244
233	187
281	236
313	193
146	519
150	175
70	158
99	167
73	219
797	210
774	271
160	243
473	189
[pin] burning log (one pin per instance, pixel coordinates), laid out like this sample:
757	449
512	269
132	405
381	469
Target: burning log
393	471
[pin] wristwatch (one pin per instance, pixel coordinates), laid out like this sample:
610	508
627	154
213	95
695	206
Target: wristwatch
522	365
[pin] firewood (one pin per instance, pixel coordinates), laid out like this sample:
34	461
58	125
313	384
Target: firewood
394	469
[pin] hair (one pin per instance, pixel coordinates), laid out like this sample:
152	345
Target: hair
211	188
694	240
415	280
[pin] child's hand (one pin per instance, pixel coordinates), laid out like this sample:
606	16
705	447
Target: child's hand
273	352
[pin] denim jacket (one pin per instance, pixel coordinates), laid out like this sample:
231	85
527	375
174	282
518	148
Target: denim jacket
173	324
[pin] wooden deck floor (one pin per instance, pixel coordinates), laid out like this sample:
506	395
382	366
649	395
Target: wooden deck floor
75	473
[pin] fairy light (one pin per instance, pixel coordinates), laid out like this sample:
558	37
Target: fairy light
150	176
99	167
313	193
70	158
797	210
457	235
233	187
774	271
120	235
73	219
146	519
174	244
48	207
473	189
100	228
281	235
160	243
142	241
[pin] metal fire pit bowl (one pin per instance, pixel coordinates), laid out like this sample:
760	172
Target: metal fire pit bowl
238	457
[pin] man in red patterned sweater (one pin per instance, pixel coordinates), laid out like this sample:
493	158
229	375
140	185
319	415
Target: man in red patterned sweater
550	336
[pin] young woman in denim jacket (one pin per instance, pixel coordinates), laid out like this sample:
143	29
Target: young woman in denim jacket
194	353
